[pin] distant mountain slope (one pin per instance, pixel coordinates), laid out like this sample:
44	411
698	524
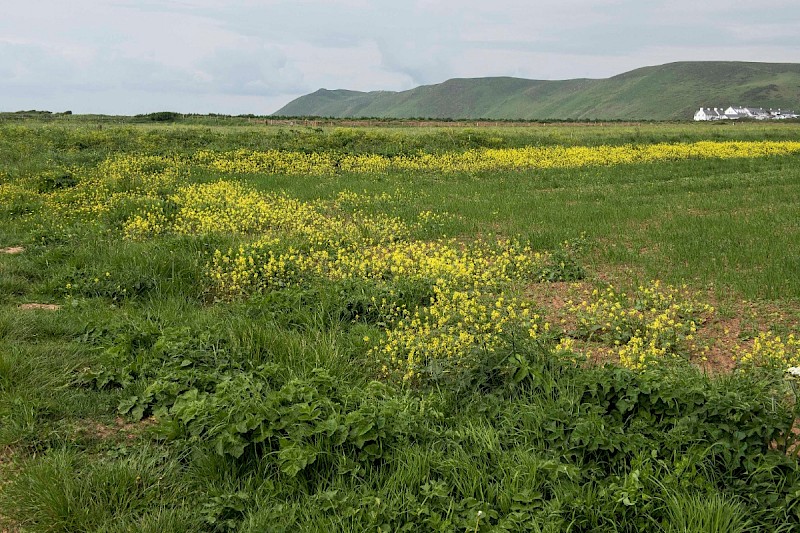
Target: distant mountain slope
671	91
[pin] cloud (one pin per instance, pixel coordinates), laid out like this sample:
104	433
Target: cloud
224	56
254	70
421	62
45	70
31	67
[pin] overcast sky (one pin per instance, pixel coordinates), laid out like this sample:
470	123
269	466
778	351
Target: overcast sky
253	56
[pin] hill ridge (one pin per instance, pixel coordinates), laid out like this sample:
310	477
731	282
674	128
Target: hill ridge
659	92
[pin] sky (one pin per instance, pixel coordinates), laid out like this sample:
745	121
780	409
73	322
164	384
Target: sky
249	56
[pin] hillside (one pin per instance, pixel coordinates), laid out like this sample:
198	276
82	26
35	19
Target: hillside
671	91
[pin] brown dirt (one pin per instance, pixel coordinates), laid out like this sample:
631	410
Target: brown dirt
553	296
716	343
12	250
724	336
45	307
791	443
121	428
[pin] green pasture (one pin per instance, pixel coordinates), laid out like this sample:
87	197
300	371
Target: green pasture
168	410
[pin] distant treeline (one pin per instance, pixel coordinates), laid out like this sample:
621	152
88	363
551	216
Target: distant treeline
312	121
167	117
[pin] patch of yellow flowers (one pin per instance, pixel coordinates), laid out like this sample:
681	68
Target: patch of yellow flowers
226	207
267	263
288	242
119	181
651	325
455	331
13	194
468	314
770	350
487	159
293	243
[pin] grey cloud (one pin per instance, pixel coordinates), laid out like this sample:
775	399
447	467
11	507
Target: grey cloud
423	62
34	68
40	69
262	70
335	40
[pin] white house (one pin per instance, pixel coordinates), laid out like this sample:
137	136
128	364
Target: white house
736	112
779	114
757	113
708	113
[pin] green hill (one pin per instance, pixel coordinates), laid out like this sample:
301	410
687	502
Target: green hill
671	91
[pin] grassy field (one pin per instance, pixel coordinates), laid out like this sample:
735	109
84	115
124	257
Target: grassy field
245	328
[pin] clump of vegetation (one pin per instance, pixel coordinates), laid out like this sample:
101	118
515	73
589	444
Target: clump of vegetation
161	116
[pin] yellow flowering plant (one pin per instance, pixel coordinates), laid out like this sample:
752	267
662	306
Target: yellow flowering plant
650	325
770	350
484	159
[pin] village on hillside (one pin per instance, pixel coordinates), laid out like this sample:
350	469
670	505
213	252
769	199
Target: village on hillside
733	113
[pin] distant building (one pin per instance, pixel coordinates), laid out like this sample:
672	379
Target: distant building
735	112
746	112
709	113
778	114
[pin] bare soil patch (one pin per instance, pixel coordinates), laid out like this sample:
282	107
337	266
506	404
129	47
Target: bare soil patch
121	428
552	297
12	250
731	332
718	340
44	307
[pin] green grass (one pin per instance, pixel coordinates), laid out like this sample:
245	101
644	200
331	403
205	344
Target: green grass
730	225
693	513
163	409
